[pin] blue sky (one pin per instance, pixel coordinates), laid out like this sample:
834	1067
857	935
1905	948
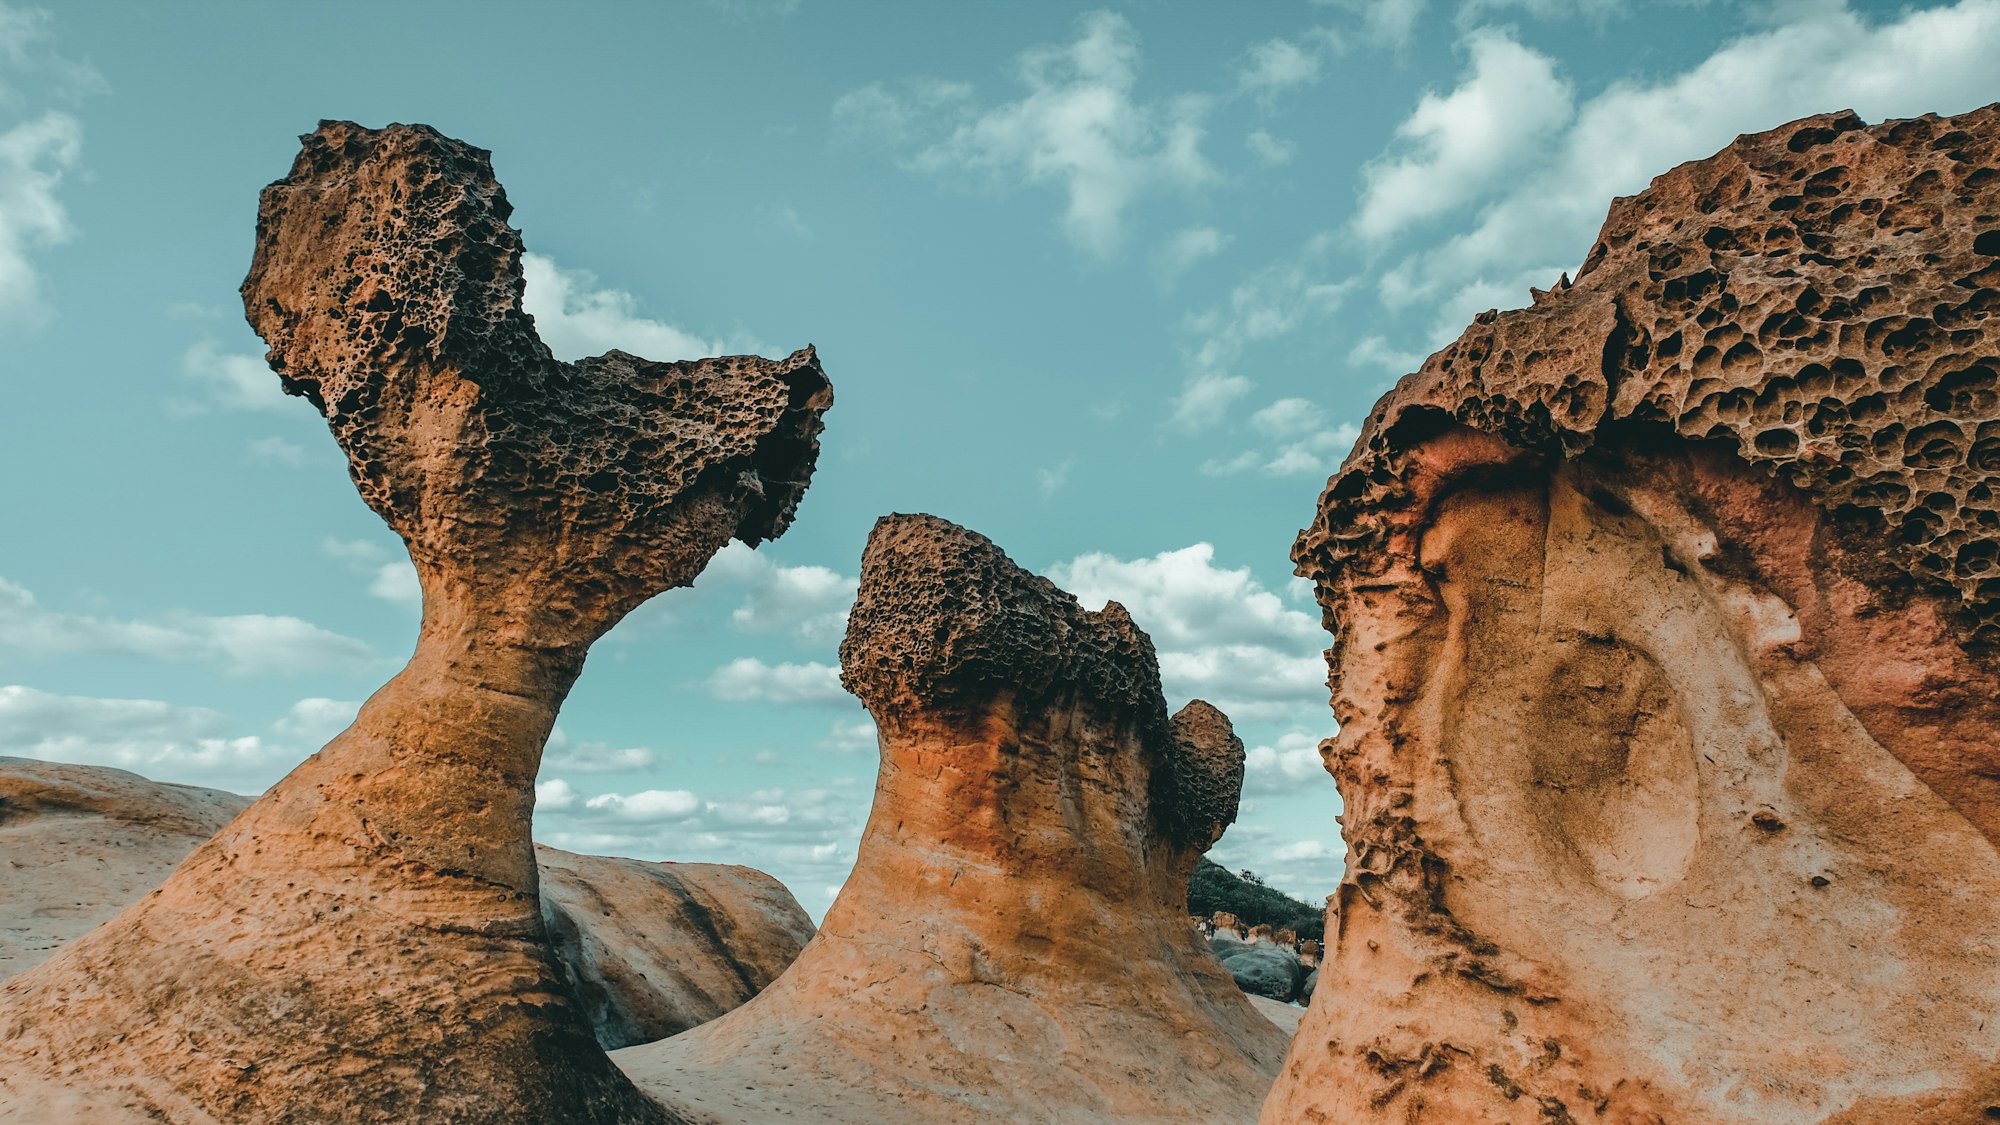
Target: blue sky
1109	285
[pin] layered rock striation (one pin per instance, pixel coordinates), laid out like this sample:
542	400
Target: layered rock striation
1013	943
1665	617
366	943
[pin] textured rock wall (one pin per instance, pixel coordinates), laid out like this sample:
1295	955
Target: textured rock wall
365	943
1013	943
1665	617
648	949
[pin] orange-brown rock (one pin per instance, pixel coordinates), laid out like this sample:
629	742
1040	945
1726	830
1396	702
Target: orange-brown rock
652	949
649	949
365	943
1012	945
1665	617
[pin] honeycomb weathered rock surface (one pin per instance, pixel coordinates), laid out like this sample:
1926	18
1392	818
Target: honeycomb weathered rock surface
1013	942
365	943
1665	624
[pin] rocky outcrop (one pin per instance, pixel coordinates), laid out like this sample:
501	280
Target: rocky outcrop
80	843
1013	944
1260	967
649	949
652	949
366	943
1665	617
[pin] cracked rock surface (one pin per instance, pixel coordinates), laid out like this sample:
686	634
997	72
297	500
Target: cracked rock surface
1665	616
1013	944
365	943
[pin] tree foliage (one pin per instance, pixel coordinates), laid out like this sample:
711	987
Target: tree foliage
1213	888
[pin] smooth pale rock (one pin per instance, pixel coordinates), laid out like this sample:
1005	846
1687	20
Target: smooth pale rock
652	949
1013	944
1285	1017
365	943
649	949
80	843
1665	617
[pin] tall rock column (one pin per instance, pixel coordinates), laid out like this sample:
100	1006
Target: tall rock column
1666	615
364	944
1013	943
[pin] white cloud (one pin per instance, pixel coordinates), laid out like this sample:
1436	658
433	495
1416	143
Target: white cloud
1269	149
567	755
804	836
1051	480
1821	57
1376	351
189	745
850	736
809	602
391	575
750	680
1278	65
1388	23
1269	303
314	721
1079	128
231	381
1456	147
34	157
1595	11
1281	768
1305	849
1221	635
576	318
241	645
648	807
1299	442
275	451
1184	250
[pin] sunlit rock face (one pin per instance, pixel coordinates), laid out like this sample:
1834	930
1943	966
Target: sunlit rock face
1665	617
365	943
1013	944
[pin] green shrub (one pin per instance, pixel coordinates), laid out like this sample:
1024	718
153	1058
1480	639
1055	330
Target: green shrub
1213	888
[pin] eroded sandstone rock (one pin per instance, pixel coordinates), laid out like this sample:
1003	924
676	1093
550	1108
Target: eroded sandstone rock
649	949
365	943
1665	666
1012	945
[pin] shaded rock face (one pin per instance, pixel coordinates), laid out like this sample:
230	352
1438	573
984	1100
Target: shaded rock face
1013	944
649	949
365	943
1665	668
1261	968
652	949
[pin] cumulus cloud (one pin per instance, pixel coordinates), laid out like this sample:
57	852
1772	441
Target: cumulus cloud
1459	145
1284	765
577	318
391	575
806	835
230	381
750	680
165	742
1221	635
1079	128
808	602
1815	58
249	644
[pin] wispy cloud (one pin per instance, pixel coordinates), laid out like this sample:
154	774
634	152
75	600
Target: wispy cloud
1080	127
577	317
750	680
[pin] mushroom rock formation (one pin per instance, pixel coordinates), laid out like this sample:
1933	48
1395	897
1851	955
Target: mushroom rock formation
1666	615
652	949
1012	944
365	942
649	949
